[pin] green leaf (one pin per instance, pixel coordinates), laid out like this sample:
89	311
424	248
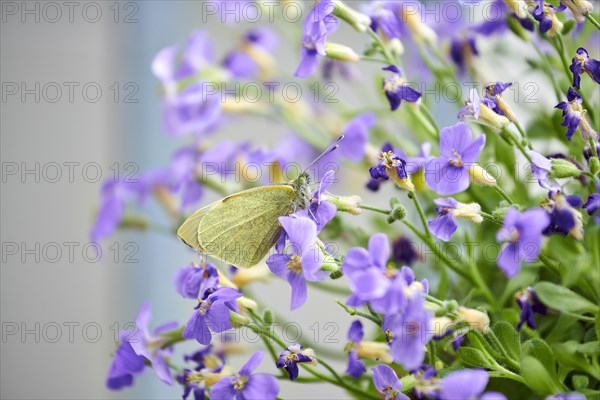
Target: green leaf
474	357
540	350
562	299
537	377
598	326
568	354
568	26
509	338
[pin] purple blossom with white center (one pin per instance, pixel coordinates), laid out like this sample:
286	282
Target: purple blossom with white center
356	136
540	168
564	216
151	347
396	89
444	226
126	364
355	367
522	238
544	13
583	64
245	384
212	314
592	205
449	173
571	111
529	304
304	263
193	282
387	383
409	330
292	356
462	50
321	211
371	280
317	26
467	384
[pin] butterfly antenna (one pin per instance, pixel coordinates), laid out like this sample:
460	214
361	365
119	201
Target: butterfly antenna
328	150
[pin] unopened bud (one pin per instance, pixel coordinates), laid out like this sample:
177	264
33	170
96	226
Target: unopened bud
563	169
470	211
398	213
244	276
476	319
268	317
481	176
238	320
347	204
357	20
396	47
246	303
340	52
519	7
489	117
506	109
579	8
594	164
377	350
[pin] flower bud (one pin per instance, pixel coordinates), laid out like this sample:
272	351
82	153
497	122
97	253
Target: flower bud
594	164
340	52
489	117
476	319
579	8
441	325
519	7
238	320
246	303
396	47
481	176
347	204
377	350
421	31
585	128
470	211
244	276
398	213
357	20
225	281
268	317
563	169
506	109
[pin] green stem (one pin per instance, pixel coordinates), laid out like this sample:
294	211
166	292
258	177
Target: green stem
489	217
384	50
504	195
549	263
417	203
375	209
373	59
591	18
592	143
523	134
423	108
354	311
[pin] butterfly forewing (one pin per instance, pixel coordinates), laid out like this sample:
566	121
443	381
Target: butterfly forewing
241	228
188	231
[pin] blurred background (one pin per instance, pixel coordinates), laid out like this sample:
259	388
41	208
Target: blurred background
80	104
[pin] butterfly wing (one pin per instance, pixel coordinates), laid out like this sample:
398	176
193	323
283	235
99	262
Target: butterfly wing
188	231
241	228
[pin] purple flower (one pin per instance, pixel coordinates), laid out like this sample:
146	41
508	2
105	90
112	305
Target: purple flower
544	13
449	173
355	367
193	110
126	364
498	24
482	110
529	304
194	282
245	385
443	227
571	111
189	386
356	136
294	354
137	347
212	314
391	165
387	383
540	168
396	89
522	235
564	216
318	24
592	205
321	211
409	331
567	396
418	163
404	252
462	51
467	384
304	263
582	63
371	280
385	19
252	58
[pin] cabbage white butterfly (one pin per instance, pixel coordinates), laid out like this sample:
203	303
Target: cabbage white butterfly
241	228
